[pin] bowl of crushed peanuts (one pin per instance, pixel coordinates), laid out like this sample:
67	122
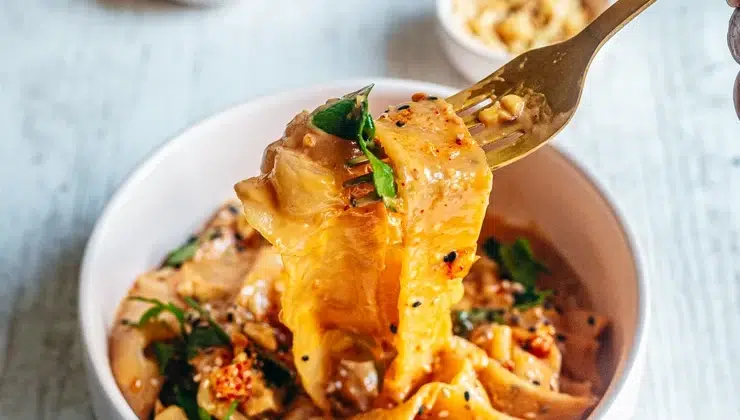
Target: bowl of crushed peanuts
479	36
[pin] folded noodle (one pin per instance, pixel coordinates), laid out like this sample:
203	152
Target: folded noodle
334	254
385	278
516	396
444	184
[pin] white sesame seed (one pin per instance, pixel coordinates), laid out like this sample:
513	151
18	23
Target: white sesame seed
444	413
154	381
446	392
137	384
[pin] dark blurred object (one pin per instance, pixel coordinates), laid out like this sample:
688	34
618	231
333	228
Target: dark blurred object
733	41
733	34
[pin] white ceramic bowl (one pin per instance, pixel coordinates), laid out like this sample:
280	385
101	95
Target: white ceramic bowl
469	55
177	188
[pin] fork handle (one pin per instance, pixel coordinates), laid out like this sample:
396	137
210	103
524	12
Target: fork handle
611	21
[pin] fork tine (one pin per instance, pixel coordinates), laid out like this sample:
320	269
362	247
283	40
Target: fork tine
362	179
369	198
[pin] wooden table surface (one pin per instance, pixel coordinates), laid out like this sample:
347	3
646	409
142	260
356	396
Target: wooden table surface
89	88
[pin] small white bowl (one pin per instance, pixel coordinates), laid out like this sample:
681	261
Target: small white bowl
177	188
470	56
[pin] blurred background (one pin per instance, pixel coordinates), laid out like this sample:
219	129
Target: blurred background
89	88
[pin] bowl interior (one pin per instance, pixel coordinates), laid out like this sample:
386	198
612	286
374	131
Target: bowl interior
175	190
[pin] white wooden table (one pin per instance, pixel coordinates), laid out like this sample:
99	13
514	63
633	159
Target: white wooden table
88	89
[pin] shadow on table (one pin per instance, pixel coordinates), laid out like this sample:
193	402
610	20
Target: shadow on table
414	53
143	5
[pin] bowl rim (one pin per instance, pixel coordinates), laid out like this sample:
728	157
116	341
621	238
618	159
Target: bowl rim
99	368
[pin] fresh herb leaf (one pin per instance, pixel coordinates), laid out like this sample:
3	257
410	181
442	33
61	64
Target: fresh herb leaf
492	248
383	177
463	322
172	356
182	254
531	298
276	372
204	415
349	118
157	308
232	409
186	399
220	335
342	118
521	264
518	263
150	314
164	352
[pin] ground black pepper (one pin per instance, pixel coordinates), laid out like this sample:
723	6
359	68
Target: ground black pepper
451	257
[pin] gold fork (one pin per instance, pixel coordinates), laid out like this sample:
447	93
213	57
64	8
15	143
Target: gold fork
550	79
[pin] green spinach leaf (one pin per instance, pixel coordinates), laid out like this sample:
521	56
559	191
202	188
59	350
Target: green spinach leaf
230	412
182	254
518	263
349	118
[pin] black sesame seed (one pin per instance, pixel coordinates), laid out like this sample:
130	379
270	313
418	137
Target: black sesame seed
431	98
304	358
525	346
229	317
420	411
400	123
560	337
591	320
233	209
386	111
536	382
402	107
416	304
532	329
216	234
467	395
394	329
451	257
238	236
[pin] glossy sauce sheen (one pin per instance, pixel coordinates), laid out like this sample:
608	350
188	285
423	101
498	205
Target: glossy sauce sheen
354	273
